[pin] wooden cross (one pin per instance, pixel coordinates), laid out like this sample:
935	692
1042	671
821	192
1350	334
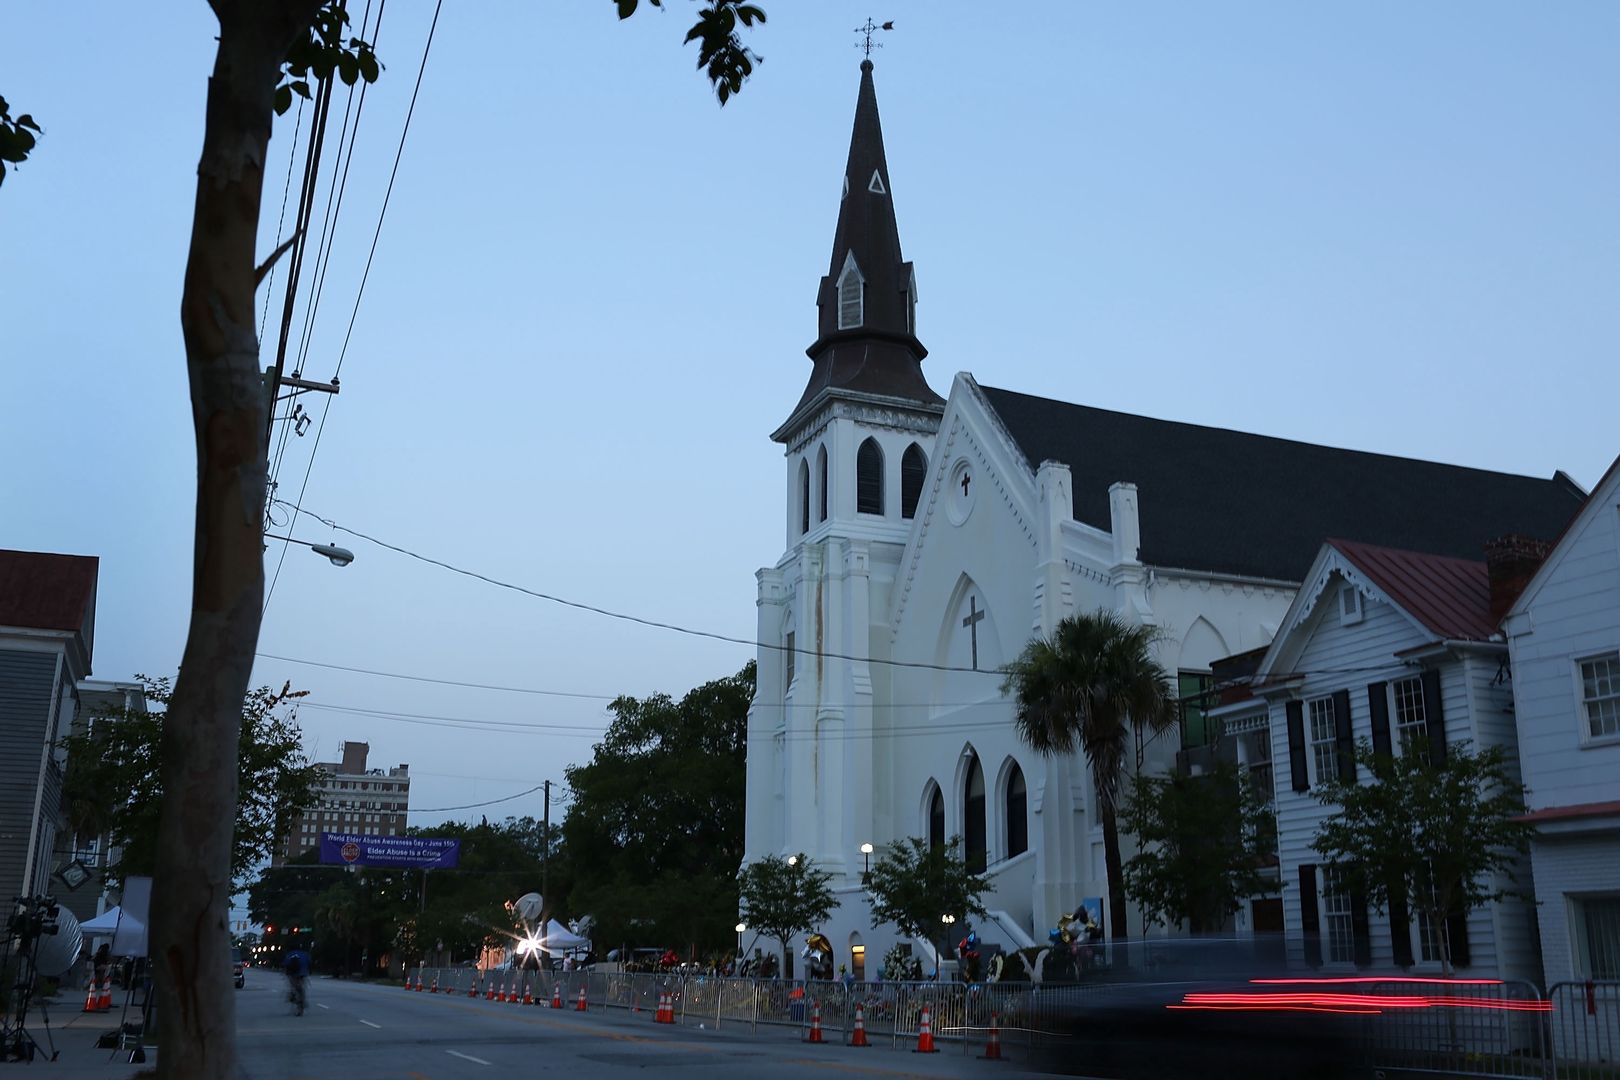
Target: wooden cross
972	621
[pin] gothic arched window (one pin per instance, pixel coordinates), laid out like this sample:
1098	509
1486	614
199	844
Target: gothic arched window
973	830
804	496
936	818
1017	813
821	479
913	471
869	478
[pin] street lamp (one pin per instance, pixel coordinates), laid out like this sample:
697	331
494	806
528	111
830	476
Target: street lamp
339	556
939	957
867	849
793	860
742	928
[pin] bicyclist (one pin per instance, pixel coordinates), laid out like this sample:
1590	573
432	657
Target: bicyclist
296	965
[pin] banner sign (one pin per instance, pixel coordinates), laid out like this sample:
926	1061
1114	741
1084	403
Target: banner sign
353	849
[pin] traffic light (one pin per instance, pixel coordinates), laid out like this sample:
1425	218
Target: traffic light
269	929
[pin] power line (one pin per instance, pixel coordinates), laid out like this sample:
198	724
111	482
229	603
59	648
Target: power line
476	805
439	682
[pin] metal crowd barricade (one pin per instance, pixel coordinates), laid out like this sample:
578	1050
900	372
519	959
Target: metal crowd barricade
1488	1029
1584	1028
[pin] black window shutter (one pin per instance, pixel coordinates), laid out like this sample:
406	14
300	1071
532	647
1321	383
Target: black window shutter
1308	919
1360	930
1457	938
1296	747
1378	706
1344	743
1400	930
1434	717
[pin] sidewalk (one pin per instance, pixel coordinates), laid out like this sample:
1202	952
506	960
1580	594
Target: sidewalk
73	1034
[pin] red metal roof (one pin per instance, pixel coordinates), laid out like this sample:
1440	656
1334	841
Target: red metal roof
1580	810
1451	597
42	591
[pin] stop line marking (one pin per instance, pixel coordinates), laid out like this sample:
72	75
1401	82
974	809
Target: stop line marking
466	1057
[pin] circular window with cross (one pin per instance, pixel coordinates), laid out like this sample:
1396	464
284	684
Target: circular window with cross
964	488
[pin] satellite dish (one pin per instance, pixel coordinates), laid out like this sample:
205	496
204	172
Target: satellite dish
529	906
58	951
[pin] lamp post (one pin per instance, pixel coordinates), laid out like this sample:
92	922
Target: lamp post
742	928
939	957
866	850
793	881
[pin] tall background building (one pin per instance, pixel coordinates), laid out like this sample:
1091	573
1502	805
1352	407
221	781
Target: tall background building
351	799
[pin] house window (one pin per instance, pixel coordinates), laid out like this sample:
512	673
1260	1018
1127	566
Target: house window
850	299
1411	727
869	478
804	497
936	819
821	480
1017	813
1428	931
1339	925
913	471
1600	694
788	666
1599	925
973	826
1324	739
1191	686
1349	605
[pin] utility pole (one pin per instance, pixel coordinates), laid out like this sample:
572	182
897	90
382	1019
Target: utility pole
545	846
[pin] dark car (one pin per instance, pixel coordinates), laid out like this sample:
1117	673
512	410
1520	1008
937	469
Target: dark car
238	968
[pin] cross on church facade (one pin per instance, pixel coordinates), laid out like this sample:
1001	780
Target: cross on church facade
972	621
967	478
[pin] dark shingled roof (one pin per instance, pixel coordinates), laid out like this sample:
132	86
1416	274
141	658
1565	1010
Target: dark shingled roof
1229	502
41	591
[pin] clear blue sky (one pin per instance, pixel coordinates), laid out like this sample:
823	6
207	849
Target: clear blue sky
1388	226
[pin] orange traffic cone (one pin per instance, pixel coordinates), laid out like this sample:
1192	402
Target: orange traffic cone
472	989
434	989
556	995
528	998
91	996
815	1023
666	1009
992	1049
104	1001
418	980
491	993
858	1037
511	995
925	1036
579	1006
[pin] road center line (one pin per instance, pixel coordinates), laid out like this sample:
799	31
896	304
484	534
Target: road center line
466	1057
368	1023
323	1006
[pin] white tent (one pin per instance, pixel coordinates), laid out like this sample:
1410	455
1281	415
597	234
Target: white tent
558	938
128	932
105	923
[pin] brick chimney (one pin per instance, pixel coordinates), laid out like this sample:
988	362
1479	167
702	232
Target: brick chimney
1510	562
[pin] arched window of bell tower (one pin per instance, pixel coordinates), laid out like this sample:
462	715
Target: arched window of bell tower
869	478
804	496
913	471
821	482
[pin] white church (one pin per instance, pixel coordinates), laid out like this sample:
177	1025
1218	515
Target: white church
927	539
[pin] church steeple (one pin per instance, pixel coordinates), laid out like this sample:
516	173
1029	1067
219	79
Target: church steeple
866	344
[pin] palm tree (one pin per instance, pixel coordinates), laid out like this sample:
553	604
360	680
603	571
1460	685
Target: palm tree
1092	684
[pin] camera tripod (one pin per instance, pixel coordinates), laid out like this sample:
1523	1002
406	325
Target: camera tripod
17	1043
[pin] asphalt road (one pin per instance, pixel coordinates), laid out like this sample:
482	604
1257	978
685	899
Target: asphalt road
355	1032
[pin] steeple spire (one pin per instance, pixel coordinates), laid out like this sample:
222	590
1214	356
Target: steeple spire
867	338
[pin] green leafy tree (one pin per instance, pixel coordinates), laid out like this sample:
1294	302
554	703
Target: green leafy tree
114	785
913	884
720	49
17	138
464	908
782	897
654	833
1093	685
1440	838
1205	841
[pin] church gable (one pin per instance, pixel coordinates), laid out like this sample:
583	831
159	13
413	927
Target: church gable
976	511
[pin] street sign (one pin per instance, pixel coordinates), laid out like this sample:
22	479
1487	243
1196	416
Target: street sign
423	852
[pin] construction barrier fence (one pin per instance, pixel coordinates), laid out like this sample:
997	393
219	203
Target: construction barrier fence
1480	1029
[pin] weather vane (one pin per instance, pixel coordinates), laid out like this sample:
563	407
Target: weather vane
868	44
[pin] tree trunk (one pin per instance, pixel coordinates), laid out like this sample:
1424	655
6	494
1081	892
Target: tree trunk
190	943
1118	931
787	958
